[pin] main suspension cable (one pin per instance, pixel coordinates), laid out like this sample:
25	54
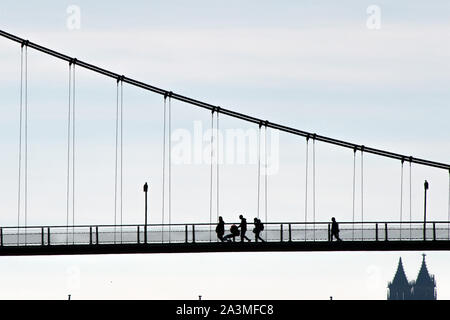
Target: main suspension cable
228	112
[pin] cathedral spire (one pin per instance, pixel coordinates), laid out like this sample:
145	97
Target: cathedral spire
400	276
425	286
399	288
424	278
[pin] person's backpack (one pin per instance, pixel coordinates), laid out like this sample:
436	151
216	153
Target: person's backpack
261	226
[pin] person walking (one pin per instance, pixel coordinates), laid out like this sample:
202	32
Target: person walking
334	230
257	230
243	227
220	229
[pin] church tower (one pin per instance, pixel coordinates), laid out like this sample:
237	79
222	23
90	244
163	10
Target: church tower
424	288
399	288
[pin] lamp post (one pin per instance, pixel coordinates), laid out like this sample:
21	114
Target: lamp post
426	187
145	227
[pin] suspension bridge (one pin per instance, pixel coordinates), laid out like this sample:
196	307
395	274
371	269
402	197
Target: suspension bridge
25	239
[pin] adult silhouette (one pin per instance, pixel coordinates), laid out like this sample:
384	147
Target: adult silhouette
257	229
243	227
220	229
334	230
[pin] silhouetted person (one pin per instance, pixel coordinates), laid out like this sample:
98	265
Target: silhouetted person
334	230
243	227
220	229
234	233
257	230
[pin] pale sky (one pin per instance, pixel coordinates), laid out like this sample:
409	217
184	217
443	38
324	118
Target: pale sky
315	66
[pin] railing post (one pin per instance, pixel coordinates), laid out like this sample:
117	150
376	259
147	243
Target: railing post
48	236
376	231
385	232
1	237
290	232
329	232
186	233
138	235
193	233
96	234
434	231
424	231
281	233
145	234
42	236
90	235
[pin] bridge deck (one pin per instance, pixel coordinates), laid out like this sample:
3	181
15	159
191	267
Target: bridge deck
225	247
185	238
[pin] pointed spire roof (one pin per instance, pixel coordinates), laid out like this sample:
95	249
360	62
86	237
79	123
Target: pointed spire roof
400	276
424	278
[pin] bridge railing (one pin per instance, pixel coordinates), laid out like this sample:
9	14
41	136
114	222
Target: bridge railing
205	233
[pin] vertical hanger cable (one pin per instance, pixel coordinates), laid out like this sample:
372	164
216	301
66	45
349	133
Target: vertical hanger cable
121	160
448	217
401	200
170	167
306	183
164	170
116	161
211	176
410	201
217	164
259	170
73	154
314	188
19	191
362	193
69	123
26	143
265	181
354	193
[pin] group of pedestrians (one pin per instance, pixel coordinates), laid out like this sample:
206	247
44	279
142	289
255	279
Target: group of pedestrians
259	226
241	230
